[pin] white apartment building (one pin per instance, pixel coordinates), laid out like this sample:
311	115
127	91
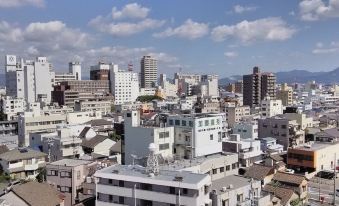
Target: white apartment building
170	89
149	72
271	107
195	84
22	163
209	85
28	79
138	135
133	185
12	106
124	85
246	130
147	91
92	106
197	134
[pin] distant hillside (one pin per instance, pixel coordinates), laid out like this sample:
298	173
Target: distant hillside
300	76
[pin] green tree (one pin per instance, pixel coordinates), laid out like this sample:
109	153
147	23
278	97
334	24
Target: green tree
148	98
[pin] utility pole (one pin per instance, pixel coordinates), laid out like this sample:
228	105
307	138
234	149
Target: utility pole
335	177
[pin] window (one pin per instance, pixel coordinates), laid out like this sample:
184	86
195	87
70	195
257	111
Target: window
171	122
214	171
177	122
222	169
190	123
52	172
121	200
172	190
225	202
183	123
110	198
234	165
200	123
207	122
110	181
211	136
184	191
164	146
240	197
121	183
212	122
163	134
228	167
65	174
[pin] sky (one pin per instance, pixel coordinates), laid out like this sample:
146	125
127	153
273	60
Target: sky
218	37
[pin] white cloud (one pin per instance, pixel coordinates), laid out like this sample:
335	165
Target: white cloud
272	29
241	9
312	10
333	47
163	57
189	30
9	32
125	28
18	3
231	54
109	24
133	10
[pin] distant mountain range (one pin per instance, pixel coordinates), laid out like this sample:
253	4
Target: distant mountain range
300	76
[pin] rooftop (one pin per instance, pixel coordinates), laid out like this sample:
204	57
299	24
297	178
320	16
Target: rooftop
259	172
136	173
70	162
315	146
234	180
21	153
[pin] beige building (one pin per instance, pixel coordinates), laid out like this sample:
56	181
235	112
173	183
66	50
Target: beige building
68	176
285	94
314	157
235	114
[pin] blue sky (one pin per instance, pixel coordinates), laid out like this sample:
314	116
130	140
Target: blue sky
219	36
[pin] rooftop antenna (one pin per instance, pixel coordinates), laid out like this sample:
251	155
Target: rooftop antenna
152	167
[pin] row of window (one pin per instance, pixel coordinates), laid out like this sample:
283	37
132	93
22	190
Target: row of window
44	123
222	169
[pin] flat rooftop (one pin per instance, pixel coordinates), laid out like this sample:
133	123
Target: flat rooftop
187	163
70	162
316	146
136	173
234	180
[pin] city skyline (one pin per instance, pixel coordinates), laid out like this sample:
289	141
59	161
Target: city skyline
235	37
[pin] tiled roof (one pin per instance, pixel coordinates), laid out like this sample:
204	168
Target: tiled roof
38	194
282	193
91	143
259	172
21	153
288	178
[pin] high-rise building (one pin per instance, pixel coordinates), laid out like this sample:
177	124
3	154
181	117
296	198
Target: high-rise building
285	94
257	86
75	69
30	80
149	72
100	71
124	85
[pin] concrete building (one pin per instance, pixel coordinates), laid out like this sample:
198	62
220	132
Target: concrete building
236	114
138	135
68	175
270	107
217	165
249	150
124	85
269	145
129	185
73	74
238	190
101	71
197	134
300	118
92	106
257	86
149	72
195	84
9	133
11	107
287	132
312	157
28	79
285	94
22	163
209	85
170	89
246	130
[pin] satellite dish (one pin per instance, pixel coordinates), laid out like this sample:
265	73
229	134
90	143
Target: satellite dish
152	147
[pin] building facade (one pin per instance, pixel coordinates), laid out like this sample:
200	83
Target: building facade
149	72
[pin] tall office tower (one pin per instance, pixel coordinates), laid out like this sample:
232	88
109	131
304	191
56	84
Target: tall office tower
149	72
124	85
100	71
257	86
31	80
75	69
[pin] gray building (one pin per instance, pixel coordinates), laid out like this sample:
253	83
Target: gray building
149	72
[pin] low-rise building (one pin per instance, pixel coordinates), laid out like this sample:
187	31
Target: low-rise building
313	156
92	106
235	114
271	107
129	185
11	107
246	130
68	176
22	163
